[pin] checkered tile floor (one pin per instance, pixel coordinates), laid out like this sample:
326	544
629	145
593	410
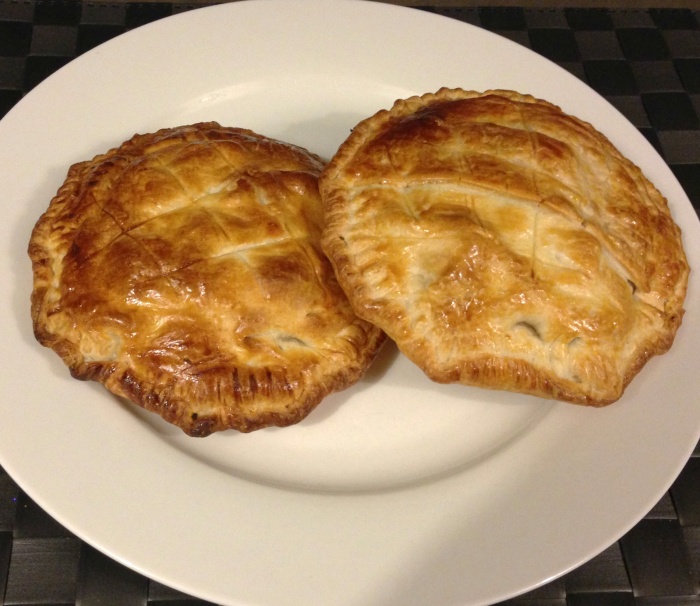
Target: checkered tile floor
645	62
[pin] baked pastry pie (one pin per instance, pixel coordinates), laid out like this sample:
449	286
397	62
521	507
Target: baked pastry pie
504	244
183	270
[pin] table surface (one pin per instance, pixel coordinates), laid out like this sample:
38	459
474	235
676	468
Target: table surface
646	62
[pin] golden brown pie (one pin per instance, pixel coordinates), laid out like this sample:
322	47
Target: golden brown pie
504	244
184	271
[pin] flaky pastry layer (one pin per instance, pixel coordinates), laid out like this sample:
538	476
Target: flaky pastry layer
183	270
504	244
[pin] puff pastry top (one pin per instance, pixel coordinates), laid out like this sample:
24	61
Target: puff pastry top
183	270
503	243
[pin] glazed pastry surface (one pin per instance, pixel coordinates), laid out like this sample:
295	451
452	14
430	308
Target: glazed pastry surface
183	270
504	244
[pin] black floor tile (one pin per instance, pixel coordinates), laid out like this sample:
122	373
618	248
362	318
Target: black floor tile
642	44
555	44
598	45
688	176
668	600
32	521
691	534
674	18
689	72
670	111
15	38
502	18
100	579
42	571
103	13
680	146
54	40
683	43
545	18
91	36
604	573
686	493
8	99
663	510
57	12
656	76
5	554
610	77
12	72
615	598
595	19
631	107
651	136
573	67
17	10
145	12
9	494
657	559
39	68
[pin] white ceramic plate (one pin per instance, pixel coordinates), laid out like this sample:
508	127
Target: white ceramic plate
396	492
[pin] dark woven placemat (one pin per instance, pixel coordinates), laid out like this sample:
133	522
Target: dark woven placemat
646	62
